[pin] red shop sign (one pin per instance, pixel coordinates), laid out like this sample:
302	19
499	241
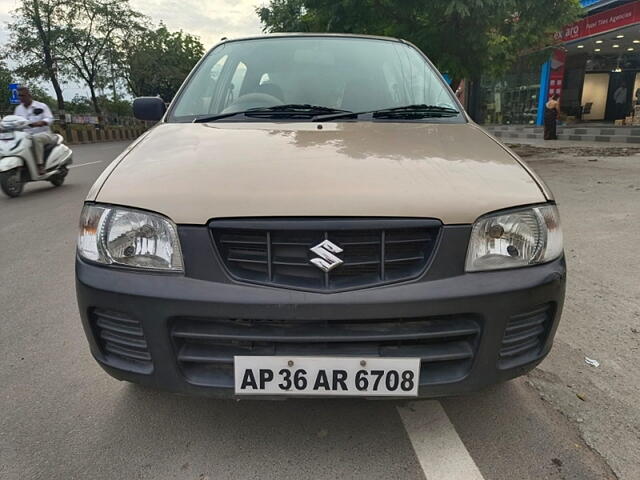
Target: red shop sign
601	22
557	72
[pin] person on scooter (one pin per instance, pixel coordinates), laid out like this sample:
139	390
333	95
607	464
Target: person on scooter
40	120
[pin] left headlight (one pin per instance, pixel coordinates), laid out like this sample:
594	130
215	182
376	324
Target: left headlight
518	238
132	238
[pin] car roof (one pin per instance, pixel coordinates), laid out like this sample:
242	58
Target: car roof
294	35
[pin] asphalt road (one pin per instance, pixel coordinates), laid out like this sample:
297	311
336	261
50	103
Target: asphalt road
62	417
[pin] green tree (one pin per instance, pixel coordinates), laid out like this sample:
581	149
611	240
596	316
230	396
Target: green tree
5	80
156	62
83	105
93	29
35	42
463	37
120	107
79	104
42	95
285	16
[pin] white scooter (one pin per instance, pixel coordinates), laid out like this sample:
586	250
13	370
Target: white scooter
17	163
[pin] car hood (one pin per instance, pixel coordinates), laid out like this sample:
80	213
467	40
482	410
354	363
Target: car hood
196	172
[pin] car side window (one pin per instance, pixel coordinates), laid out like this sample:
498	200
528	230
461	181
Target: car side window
235	86
406	85
393	83
411	81
217	69
425	85
200	102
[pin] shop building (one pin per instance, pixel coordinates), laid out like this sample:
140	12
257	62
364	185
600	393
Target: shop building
595	68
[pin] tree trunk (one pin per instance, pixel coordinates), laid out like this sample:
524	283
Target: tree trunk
58	90
94	99
48	57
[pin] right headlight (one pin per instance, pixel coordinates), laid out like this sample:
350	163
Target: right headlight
522	237
133	238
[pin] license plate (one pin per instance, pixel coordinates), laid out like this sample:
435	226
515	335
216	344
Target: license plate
326	376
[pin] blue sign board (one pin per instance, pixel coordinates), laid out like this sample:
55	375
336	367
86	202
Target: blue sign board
590	4
13	98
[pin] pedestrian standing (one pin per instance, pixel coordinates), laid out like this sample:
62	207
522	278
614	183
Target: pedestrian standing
551	112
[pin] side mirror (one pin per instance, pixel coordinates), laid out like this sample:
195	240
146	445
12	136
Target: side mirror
149	108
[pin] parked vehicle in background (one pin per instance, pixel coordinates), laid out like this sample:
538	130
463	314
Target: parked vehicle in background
317	215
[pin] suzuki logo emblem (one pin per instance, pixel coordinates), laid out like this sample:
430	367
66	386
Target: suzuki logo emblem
327	261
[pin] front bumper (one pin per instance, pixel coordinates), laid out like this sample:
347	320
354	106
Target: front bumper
181	319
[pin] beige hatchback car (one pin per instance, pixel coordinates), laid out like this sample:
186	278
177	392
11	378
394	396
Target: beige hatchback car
316	215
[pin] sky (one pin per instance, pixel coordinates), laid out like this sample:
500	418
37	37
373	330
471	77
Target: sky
208	19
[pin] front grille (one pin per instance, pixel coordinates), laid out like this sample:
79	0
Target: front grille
278	252
121	341
525	337
205	348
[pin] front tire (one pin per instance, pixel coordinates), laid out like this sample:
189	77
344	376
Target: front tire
11	183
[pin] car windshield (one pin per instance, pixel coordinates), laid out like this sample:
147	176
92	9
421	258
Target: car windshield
318	75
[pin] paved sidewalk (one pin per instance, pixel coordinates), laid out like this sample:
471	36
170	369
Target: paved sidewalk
566	143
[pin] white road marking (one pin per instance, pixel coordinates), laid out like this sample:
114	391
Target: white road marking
441	453
85	164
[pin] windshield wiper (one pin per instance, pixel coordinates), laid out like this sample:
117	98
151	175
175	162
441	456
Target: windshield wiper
407	112
416	111
299	107
277	111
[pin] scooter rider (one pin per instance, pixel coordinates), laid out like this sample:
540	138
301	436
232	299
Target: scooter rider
40	120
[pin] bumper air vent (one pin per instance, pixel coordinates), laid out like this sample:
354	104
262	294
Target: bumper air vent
205	348
525	336
121	341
